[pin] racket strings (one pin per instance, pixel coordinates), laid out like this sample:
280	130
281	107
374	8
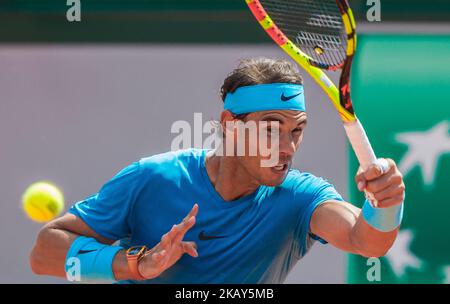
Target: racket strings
323	47
315	26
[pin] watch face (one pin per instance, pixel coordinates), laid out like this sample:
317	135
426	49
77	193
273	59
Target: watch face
135	250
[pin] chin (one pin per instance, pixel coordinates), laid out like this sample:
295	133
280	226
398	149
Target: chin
272	183
272	180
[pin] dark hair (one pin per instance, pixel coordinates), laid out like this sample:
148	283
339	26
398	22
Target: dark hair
260	70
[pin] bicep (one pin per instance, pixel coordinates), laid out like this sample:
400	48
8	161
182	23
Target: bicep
333	221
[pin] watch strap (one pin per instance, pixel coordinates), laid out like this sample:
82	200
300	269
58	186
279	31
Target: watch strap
133	263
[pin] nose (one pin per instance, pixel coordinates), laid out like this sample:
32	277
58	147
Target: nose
287	146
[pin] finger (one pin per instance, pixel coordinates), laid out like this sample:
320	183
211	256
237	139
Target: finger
177	232
184	228
385	181
391	164
391	191
384	164
360	181
398	199
190	248
167	238
373	171
193	212
191	244
360	170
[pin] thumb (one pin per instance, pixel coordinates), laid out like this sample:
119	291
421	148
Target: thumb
375	170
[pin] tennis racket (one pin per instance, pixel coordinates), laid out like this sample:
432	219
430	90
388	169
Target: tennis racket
320	35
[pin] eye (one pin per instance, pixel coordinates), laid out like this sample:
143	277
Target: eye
298	130
272	131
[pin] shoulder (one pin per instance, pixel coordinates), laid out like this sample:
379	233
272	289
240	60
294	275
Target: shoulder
171	158
170	163
296	180
308	185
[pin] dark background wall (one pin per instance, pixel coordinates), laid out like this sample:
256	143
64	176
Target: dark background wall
180	21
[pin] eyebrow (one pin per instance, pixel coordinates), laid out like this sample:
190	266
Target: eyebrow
304	121
273	118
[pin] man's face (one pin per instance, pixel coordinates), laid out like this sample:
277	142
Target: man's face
271	162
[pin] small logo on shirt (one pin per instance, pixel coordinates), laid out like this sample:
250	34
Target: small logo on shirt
286	98
86	251
203	237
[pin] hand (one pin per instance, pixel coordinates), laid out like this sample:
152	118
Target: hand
170	249
387	187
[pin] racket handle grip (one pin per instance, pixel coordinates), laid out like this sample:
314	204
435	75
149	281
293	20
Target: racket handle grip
363	149
360	143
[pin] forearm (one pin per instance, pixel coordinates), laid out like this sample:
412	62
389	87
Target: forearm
48	256
368	241
377	226
371	231
49	253
343	225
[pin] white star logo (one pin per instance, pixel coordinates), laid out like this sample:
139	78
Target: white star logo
425	149
399	256
446	271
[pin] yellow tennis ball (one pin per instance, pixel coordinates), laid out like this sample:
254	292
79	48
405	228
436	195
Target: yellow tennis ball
42	201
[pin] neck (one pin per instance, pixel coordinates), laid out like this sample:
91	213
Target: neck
228	177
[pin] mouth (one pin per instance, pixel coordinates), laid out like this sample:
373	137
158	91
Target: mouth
280	169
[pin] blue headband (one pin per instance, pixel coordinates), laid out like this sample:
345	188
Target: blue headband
264	97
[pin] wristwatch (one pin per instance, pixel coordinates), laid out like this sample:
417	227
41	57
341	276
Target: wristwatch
134	255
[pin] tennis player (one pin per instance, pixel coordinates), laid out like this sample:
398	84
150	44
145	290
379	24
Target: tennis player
196	216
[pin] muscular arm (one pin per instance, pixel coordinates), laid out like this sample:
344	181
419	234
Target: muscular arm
48	255
54	240
341	224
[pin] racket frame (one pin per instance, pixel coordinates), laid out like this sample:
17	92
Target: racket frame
339	98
